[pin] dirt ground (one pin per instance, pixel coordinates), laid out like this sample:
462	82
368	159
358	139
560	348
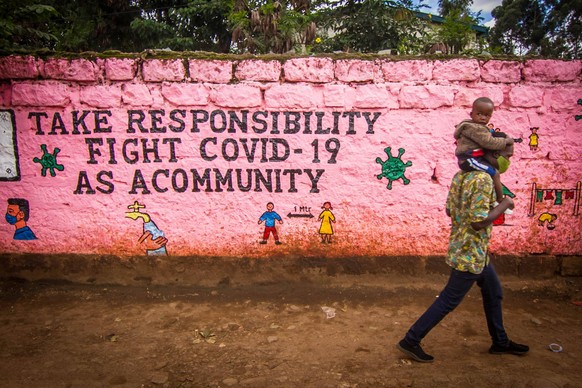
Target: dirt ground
279	335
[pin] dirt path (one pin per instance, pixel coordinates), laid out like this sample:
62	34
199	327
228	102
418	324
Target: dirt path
277	335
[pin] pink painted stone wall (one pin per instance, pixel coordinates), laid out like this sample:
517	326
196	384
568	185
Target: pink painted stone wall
204	145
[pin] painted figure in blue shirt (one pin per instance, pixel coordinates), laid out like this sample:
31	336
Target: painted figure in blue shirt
269	217
17	214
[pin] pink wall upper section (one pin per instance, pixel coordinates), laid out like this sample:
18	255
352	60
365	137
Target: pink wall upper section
318	128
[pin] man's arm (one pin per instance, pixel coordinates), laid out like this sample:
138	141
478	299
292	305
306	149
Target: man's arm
506	203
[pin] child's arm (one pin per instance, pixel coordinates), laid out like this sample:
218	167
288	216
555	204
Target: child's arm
482	136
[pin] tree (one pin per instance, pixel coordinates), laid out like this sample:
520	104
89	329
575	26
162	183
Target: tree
372	25
267	26
183	25
446	7
94	25
26	24
565	29
456	31
551	28
520	27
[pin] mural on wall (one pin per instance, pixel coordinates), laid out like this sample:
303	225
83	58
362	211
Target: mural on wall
551	197
48	161
199	143
9	166
327	218
17	214
534	139
153	240
548	219
393	168
269	217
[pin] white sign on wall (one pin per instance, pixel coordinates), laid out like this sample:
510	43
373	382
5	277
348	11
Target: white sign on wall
9	170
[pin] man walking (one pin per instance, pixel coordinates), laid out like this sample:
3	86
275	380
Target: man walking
470	206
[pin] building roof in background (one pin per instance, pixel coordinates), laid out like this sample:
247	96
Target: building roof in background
480	30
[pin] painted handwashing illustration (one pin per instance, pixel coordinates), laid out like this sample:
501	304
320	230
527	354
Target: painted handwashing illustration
17	214
153	239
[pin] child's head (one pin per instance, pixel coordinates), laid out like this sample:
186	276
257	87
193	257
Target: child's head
482	110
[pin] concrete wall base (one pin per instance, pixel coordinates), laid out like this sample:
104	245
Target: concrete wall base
212	271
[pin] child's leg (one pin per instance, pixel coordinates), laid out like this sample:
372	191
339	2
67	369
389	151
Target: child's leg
498	186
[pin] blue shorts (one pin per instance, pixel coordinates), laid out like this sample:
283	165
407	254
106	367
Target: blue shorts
476	164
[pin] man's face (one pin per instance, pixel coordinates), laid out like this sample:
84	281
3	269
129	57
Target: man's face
15	214
482	112
14	210
507	153
270	207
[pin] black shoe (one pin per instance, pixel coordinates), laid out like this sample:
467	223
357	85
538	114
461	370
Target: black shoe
263	242
414	351
510	348
278	242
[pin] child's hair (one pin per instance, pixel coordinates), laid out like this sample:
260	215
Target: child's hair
485	100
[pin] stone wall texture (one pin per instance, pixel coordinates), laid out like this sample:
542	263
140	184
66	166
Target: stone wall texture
115	155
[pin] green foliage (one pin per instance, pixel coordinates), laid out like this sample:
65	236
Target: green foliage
525	27
180	25
456	31
267	26
551	28
446	7
26	25
350	26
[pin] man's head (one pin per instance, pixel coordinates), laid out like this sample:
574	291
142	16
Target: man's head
500	159
482	110
17	210
270	206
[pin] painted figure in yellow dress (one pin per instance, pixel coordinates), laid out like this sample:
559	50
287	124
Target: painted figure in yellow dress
326	217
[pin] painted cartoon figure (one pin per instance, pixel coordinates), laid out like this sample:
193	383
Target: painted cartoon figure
534	139
269	217
327	218
152	238
549	218
17	214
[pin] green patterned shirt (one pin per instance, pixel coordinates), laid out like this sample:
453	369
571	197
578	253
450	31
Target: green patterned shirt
470	198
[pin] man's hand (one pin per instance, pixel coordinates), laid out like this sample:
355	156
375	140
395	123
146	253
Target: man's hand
506	203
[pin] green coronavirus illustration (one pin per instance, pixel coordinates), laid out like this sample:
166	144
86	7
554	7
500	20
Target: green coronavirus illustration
393	168
48	161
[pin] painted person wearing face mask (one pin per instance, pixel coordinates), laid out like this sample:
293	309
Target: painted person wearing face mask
17	214
470	204
474	137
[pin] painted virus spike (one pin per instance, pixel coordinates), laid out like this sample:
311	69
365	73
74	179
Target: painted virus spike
48	161
393	168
